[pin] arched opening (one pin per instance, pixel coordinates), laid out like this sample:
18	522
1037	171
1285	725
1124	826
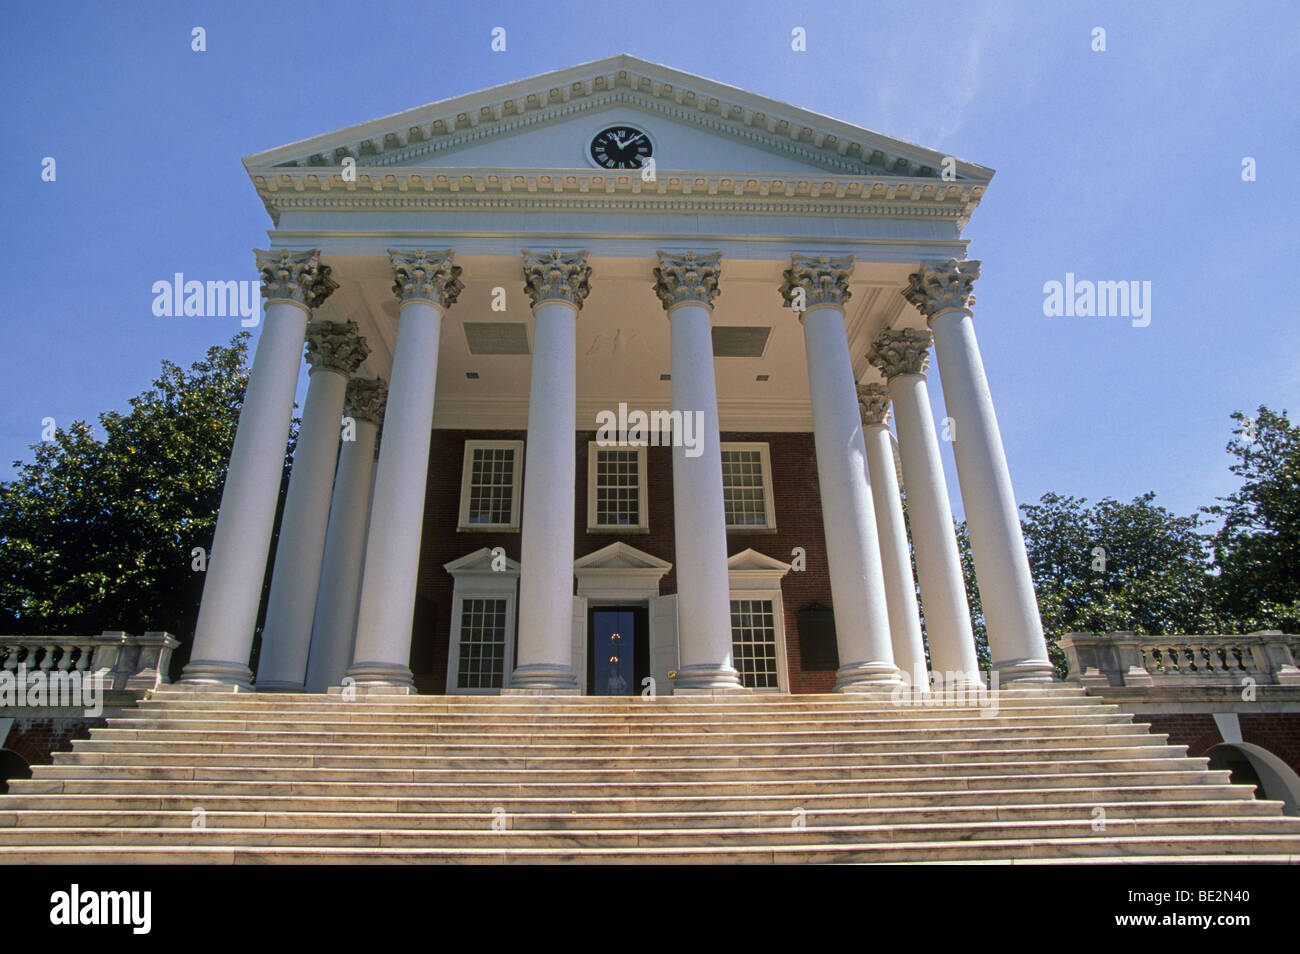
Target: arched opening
12	765
1252	765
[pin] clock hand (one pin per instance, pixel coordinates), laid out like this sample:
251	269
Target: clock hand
624	145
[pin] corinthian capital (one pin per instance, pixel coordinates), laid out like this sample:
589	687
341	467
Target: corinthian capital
942	286
873	403
295	276
901	351
428	276
816	280
336	346
685	276
366	399
557	276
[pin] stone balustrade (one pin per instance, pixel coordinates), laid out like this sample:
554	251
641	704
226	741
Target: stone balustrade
1128	659
125	662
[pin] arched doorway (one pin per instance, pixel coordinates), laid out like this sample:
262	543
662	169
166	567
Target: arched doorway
1252	765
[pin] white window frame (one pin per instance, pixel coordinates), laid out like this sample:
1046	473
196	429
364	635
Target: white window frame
516	490
643	496
778	623
769	504
755	576
475	579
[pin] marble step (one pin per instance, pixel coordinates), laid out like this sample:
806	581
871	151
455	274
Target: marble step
648	712
221	799
857	771
1238	849
484	816
538	759
897	785
183	730
1277	828
603	749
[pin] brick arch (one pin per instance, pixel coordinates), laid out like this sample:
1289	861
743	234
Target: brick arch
1254	764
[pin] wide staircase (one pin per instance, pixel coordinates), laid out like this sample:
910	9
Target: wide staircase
1049	776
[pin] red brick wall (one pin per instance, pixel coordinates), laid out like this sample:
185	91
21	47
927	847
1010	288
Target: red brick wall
798	520
37	739
1277	732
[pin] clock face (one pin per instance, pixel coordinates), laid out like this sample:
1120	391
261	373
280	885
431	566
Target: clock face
620	147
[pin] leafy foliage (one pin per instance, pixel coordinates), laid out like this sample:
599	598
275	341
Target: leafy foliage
98	534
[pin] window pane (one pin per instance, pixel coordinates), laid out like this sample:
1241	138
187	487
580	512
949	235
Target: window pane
482	644
491	485
618	488
753	643
743	494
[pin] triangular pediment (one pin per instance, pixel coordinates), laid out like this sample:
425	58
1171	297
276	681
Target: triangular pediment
620	556
752	560
547	121
481	561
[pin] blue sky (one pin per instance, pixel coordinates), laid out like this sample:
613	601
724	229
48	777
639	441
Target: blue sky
1116	165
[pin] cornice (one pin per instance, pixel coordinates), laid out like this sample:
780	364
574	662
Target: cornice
589	191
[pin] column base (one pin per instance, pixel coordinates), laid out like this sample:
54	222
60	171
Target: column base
212	674
273	685
707	677
381	677
544	676
1024	673
868	677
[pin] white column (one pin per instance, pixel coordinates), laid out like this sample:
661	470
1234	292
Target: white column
687	283
427	284
817	288
334	627
557	284
334	351
942	292
292	283
902	356
900	588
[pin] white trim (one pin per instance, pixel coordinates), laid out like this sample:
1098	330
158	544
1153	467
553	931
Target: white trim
643	496
765	464
475	579
467	468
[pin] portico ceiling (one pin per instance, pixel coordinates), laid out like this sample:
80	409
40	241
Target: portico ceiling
622	339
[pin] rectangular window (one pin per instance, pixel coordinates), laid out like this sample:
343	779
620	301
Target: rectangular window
747	487
490	485
482	644
753	643
616	488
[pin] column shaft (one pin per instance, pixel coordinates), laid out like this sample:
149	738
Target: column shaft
382	654
852	543
900	589
1010	606
232	591
286	639
546	534
938	564
699	515
334	626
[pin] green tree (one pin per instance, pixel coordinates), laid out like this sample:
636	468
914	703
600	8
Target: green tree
1256	549
99	534
1108	567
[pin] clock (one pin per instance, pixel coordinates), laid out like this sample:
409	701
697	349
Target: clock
620	147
